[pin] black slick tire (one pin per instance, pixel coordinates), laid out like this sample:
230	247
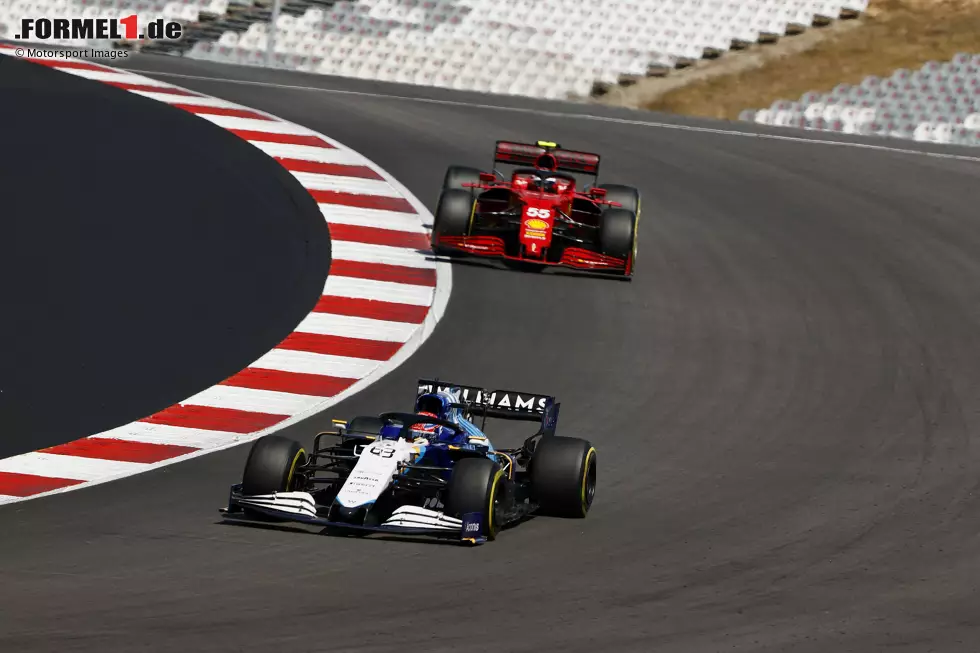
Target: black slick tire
477	485
617	234
628	196
563	476
453	215
271	465
456	176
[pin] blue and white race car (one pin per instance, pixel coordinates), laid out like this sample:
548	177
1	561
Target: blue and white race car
429	472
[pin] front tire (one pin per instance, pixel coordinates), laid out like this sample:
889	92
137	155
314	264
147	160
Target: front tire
271	465
453	215
563	476
617	233
477	485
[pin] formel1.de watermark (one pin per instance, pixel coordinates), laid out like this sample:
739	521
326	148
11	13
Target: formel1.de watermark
110	29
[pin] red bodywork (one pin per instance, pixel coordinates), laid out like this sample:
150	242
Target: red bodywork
539	207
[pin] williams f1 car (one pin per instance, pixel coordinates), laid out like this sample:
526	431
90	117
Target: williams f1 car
431	472
538	215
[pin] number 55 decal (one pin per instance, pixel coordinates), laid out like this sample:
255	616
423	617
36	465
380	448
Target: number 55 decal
539	213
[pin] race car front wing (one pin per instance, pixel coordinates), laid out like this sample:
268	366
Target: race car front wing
571	257
301	507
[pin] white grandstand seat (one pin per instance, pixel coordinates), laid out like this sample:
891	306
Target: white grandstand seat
228	39
604	40
936	103
825	11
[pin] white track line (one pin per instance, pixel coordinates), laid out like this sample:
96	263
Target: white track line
150	433
250	399
304	362
382	291
577	116
352	215
193	100
314	181
364	253
120	77
252	124
75	467
310	153
348	326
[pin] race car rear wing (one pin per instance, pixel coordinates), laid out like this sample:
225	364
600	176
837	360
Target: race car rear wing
500	404
526	154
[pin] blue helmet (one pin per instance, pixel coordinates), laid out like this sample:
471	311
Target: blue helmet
440	404
437	404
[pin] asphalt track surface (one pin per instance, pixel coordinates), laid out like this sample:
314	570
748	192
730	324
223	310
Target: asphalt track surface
784	402
122	295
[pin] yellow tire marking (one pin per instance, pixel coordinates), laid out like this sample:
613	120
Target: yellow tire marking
493	492
469	228
585	477
292	468
636	229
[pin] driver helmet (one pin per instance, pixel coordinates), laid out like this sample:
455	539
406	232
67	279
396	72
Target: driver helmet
557	184
527	182
426	429
439	405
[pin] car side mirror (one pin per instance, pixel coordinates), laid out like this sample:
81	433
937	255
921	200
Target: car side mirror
487	177
598	192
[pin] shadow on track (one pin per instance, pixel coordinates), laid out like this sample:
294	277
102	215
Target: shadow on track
149	255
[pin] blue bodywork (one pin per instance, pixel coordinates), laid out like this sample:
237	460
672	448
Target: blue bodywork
444	405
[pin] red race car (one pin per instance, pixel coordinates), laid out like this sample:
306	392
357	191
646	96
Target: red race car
539	215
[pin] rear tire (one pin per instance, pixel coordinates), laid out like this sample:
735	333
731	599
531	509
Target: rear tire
477	486
456	176
563	476
271	465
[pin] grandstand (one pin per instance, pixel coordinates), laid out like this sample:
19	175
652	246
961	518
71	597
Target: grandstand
540	48
548	49
938	103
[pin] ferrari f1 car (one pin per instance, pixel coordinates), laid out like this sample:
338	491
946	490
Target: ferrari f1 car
539	215
422	474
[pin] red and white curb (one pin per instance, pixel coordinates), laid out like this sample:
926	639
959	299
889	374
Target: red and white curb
382	299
